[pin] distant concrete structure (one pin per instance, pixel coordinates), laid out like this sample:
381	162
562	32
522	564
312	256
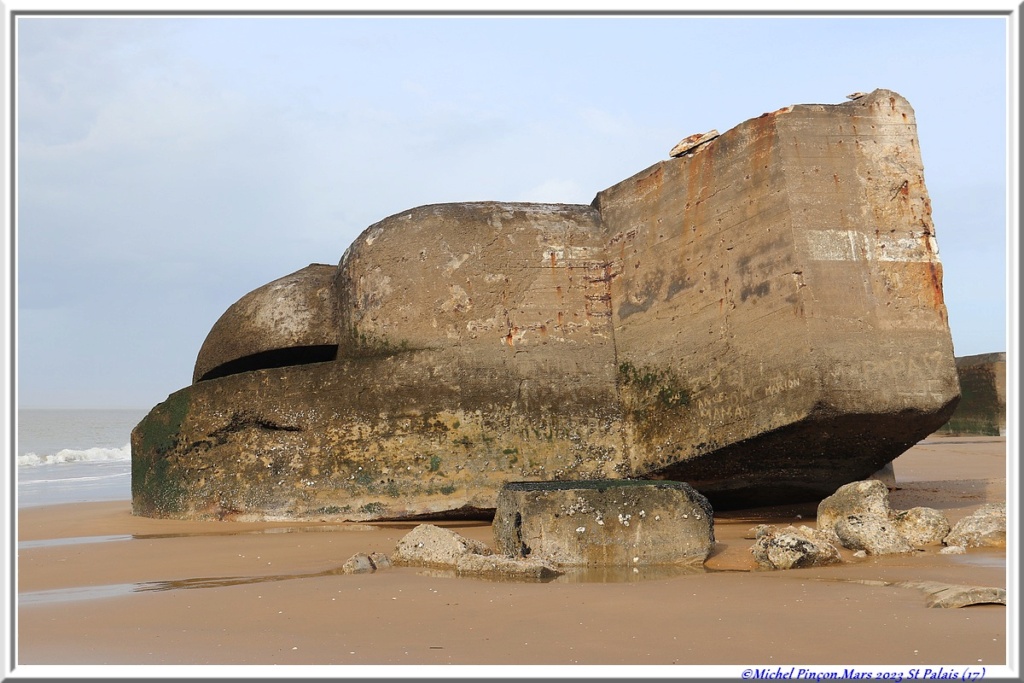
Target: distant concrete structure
982	408
761	317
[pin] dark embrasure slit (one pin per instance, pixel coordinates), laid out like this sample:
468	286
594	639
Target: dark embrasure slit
275	358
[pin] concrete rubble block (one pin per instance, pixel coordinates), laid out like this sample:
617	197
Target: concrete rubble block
869	498
380	560
363	563
953	550
873	535
859	516
428	545
624	523
360	563
498	566
921	526
691	142
984	528
793	548
740	318
982	407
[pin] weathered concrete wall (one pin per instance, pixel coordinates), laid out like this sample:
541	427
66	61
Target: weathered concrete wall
408	434
786	275
982	408
761	317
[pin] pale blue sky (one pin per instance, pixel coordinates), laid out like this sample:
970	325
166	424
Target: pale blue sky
168	166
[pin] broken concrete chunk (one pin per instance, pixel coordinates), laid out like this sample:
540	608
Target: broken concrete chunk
921	526
873	535
360	563
433	546
623	523
501	566
859	515
984	528
692	142
868	498
380	560
793	548
428	545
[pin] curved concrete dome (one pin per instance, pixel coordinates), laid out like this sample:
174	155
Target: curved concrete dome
290	321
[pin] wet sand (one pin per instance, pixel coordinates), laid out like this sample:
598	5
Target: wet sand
99	586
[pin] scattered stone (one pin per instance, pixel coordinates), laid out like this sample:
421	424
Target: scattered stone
428	545
856	95
360	563
499	565
604	522
953	550
433	546
874	535
921	526
985	528
793	548
692	142
869	498
859	515
380	560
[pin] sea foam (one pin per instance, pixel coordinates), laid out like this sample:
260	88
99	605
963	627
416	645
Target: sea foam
69	455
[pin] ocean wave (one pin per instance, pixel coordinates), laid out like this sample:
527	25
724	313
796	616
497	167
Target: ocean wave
72	480
71	455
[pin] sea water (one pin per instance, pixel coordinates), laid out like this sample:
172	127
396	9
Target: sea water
74	456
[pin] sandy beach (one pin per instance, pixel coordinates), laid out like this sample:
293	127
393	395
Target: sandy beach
100	586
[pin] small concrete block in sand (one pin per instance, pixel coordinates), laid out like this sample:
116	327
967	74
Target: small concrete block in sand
793	548
429	545
604	522
361	563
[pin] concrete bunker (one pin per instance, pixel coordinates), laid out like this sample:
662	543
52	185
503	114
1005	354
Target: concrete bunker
760	317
